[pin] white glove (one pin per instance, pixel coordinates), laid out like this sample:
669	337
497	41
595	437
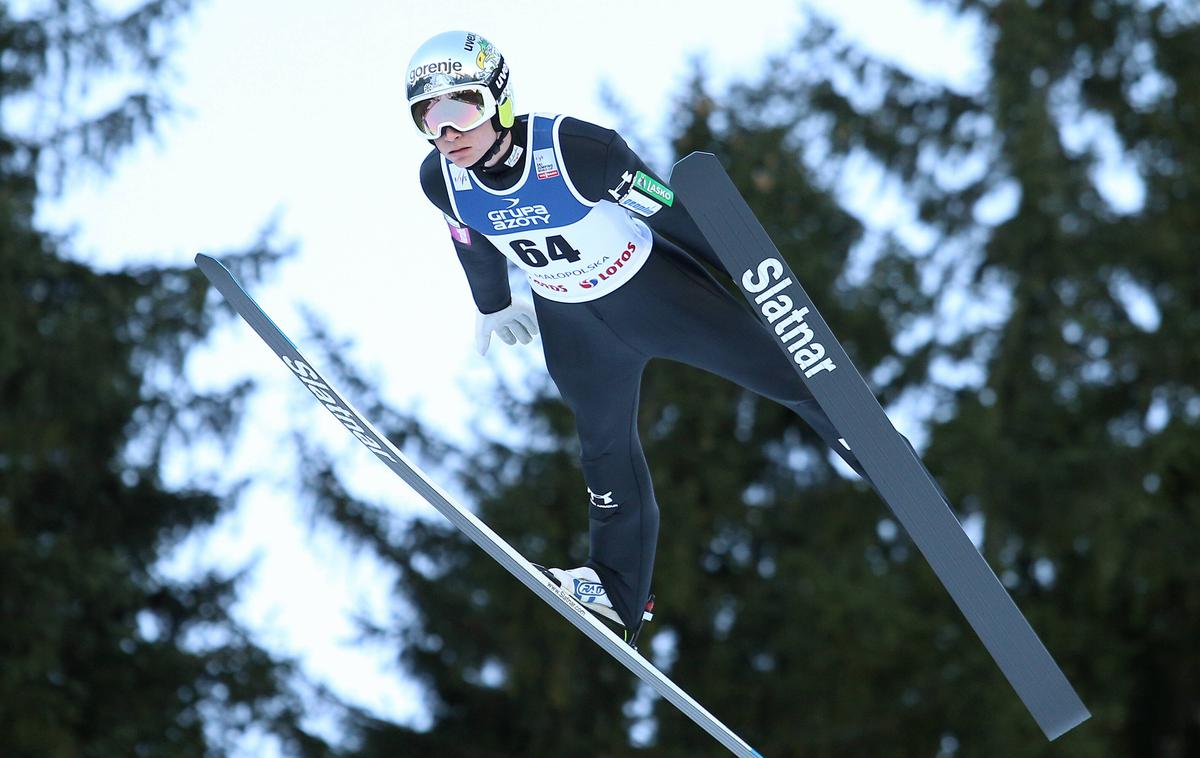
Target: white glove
516	323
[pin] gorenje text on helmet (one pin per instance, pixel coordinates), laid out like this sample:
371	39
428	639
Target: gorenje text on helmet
441	67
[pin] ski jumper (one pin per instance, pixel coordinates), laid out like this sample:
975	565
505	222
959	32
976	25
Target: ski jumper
607	250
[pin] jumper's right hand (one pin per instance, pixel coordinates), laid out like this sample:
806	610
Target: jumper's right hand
516	323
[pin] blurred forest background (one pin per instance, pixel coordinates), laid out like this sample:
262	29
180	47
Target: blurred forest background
1045	327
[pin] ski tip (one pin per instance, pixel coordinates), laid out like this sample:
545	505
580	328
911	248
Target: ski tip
211	266
755	752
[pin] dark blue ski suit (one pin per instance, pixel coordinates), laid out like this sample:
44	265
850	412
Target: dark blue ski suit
656	302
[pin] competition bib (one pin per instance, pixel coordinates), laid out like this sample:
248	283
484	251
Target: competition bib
572	250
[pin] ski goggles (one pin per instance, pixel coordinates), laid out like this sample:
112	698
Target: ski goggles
462	109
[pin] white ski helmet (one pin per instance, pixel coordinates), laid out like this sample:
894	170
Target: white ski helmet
458	79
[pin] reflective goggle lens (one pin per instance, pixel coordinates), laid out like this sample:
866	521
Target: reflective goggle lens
462	110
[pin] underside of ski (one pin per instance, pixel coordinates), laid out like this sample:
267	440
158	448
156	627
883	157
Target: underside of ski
783	307
479	533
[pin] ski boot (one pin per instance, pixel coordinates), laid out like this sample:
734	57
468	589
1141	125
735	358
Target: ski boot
584	585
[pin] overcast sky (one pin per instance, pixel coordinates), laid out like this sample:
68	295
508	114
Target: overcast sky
294	110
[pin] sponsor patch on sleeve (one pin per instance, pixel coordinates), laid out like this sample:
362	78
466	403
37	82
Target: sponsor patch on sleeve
654	188
639	204
459	232
621	189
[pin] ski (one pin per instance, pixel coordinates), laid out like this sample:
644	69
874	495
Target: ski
466	521
775	295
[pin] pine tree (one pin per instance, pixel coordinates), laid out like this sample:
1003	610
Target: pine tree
1084	434
101	655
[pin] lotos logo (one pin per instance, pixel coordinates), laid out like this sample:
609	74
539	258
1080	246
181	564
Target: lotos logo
442	67
612	270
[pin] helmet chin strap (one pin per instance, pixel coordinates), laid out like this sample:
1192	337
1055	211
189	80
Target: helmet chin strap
492	151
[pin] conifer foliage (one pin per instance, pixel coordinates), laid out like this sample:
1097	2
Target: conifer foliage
100	655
